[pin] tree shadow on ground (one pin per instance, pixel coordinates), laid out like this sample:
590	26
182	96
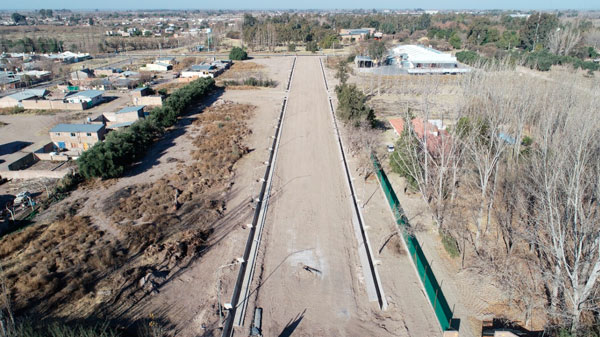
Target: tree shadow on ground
292	325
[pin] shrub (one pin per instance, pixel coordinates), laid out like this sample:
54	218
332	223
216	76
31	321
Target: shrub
312	46
450	244
291	47
352	105
467	57
238	54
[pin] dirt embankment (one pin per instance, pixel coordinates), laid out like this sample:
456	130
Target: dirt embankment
75	266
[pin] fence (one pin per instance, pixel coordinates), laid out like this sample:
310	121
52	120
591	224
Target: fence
432	287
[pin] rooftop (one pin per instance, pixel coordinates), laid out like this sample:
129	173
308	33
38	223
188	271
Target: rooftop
89	93
131	109
421	54
201	67
77	128
27	94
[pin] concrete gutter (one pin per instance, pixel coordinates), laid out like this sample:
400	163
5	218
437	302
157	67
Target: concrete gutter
372	279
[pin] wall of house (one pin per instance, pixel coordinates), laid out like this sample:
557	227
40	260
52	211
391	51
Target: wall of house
148	100
8	102
43	104
78	142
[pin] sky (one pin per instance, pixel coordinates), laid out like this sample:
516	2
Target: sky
304	4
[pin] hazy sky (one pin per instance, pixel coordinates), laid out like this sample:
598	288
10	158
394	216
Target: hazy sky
304	4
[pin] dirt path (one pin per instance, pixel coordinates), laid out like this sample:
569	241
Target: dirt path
311	279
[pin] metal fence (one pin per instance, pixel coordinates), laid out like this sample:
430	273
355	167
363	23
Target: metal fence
432	287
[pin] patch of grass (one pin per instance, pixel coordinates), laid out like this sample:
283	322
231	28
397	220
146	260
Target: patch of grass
450	244
12	110
251	82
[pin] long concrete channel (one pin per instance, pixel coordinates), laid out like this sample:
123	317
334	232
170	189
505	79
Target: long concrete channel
239	300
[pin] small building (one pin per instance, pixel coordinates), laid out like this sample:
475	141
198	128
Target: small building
165	60
107	71
157	67
77	137
9	80
140	92
82	74
89	97
351	35
364	62
17	99
200	70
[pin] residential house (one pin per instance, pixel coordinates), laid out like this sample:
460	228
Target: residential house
89	97
77	137
157	67
200	70
166	60
9	80
435	137
351	35
82	74
16	99
107	71
124	117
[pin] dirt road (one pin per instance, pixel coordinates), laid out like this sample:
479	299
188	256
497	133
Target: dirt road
311	279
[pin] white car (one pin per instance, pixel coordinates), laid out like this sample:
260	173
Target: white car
21	197
390	148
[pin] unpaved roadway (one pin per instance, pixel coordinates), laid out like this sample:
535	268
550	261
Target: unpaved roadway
310	281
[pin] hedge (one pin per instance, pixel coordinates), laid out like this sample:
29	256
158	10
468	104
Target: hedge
121	149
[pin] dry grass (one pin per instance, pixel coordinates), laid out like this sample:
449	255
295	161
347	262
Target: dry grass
246	66
72	268
48	264
170	86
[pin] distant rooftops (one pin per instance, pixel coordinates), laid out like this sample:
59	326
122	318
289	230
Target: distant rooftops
77	128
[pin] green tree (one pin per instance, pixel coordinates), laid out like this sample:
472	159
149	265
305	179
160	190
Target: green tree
376	49
342	71
536	29
312	46
352	105
455	41
18	18
238	54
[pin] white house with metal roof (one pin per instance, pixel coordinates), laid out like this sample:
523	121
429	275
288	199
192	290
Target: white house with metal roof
417	59
90	97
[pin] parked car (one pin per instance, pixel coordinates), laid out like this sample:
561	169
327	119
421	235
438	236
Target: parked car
22	197
390	148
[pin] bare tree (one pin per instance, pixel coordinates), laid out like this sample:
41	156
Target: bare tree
563	40
565	189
